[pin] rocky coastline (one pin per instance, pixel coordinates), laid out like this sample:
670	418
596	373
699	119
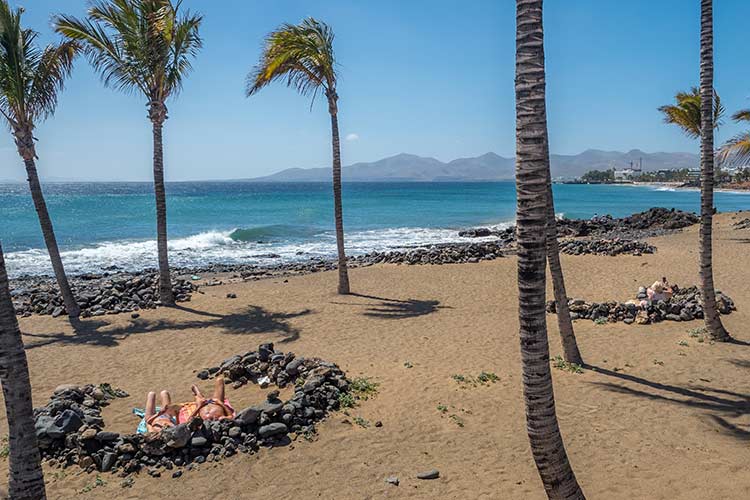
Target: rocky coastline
115	292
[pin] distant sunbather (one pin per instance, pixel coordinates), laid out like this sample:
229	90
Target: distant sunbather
660	290
216	408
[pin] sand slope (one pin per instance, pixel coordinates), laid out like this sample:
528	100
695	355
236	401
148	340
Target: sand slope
656	419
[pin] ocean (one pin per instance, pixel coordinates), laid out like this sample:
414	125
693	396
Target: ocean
101	225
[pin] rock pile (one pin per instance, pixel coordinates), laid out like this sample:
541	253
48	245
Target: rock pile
448	253
685	305
70	427
96	294
652	222
613	247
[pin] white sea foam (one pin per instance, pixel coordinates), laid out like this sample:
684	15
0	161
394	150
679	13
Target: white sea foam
218	247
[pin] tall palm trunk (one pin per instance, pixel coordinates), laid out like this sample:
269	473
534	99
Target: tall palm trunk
571	353
338	211
532	203
25	144
26	480
158	114
710	311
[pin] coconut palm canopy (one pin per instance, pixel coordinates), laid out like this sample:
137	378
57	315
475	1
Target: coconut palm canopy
31	77
737	149
302	55
686	113
137	45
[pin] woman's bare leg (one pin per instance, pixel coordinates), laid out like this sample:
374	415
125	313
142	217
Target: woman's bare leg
219	389
150	405
166	400
198	396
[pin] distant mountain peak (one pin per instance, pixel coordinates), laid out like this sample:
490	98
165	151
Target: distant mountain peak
407	167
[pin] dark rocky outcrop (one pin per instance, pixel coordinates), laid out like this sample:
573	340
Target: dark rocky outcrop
96	294
613	247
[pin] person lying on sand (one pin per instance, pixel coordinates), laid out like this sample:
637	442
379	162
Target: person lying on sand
157	418
216	408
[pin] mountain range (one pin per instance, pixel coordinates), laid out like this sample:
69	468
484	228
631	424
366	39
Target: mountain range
488	167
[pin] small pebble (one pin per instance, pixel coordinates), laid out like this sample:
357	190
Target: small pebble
430	474
392	480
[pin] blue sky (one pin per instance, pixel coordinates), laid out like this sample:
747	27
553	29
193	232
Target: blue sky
429	77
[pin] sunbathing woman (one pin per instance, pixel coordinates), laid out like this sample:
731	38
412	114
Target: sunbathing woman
216	408
155	419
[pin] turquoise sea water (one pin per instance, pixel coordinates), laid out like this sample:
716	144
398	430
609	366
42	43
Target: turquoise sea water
113	224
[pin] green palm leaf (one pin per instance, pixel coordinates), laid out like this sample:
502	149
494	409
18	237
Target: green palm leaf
301	55
686	112
736	151
141	46
31	78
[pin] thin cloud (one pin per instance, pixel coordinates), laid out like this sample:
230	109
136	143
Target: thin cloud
352	137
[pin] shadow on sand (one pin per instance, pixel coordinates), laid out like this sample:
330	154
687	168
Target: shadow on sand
251	321
395	308
720	405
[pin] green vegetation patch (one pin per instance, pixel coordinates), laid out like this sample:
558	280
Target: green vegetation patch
466	381
559	363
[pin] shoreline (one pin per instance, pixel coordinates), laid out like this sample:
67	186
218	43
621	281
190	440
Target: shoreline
501	234
680	186
118	292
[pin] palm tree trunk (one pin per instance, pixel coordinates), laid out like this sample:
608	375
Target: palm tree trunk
571	353
338	212
532	204
710	311
25	144
26	480
158	114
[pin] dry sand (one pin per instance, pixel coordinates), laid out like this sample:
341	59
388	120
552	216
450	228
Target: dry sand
656	420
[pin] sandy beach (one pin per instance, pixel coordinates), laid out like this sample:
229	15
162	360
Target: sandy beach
657	414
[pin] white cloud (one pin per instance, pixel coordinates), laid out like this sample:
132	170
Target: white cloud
352	137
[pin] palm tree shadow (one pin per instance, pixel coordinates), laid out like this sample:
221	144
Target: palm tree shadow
252	321
396	308
719	404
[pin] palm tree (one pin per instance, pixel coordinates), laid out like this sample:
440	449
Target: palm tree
26	480
737	149
141	46
711	313
303	56
571	353
532	215
686	112
31	79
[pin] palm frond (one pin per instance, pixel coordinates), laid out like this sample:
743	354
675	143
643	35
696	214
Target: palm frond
736	151
742	115
137	45
686	112
55	65
301	55
31	78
